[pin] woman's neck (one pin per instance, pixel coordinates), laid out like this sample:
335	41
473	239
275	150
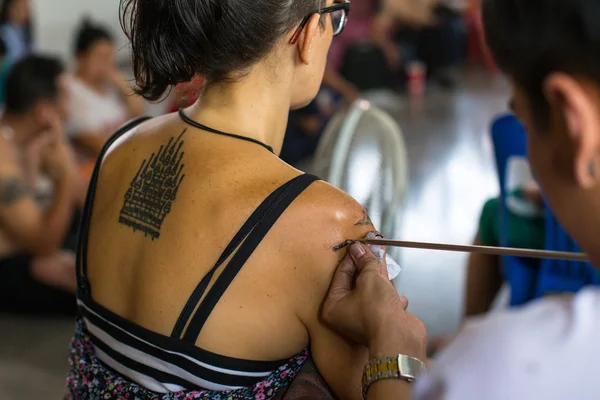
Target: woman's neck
253	108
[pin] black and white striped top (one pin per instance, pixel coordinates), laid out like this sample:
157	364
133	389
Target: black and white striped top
166	364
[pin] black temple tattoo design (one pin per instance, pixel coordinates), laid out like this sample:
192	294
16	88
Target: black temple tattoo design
365	221
153	190
12	190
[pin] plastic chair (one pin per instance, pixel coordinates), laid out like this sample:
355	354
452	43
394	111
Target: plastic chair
558	276
358	143
528	281
509	141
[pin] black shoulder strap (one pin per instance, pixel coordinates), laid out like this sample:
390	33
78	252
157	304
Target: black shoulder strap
244	231
255	236
83	285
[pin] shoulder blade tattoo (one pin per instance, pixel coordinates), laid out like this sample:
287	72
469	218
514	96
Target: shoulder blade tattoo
12	190
153	189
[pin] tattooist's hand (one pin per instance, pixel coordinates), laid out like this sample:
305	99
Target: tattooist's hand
363	305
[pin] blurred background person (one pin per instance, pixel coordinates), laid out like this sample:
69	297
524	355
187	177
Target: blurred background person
16	28
524	217
36	277
16	32
432	31
339	76
303	132
101	97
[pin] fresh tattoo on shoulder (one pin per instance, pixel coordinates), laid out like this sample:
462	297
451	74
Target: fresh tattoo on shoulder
365	220
154	188
343	245
12	190
348	243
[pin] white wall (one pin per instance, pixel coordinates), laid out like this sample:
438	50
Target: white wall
57	20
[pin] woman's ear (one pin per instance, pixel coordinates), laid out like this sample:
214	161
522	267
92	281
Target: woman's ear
308	35
580	112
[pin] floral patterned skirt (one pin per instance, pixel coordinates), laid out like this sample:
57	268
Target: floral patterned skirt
89	378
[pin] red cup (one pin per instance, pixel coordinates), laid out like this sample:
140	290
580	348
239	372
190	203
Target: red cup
416	73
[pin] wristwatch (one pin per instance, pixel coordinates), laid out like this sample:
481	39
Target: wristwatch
400	367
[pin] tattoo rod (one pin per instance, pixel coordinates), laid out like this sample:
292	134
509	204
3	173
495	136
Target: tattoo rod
499	251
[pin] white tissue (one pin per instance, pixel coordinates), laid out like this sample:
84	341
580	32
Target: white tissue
393	268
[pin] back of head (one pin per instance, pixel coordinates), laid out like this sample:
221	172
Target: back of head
175	40
31	80
530	39
89	34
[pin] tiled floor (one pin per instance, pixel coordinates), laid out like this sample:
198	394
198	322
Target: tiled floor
451	174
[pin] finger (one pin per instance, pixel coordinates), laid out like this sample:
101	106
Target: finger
343	279
364	258
381	252
404	302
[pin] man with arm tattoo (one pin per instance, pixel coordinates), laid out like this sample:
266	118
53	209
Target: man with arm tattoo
35	275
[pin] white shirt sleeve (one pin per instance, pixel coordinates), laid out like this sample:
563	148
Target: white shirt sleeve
548	350
91	112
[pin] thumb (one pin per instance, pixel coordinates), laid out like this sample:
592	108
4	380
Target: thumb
343	278
364	258
341	286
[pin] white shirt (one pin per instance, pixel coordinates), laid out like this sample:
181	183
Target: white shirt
549	350
92	112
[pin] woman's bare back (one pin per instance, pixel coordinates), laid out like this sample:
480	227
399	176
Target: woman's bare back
144	264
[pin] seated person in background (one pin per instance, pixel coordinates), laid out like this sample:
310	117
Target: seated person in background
3	72
35	275
207	257
357	30
431	31
16	28
16	35
303	133
101	97
525	222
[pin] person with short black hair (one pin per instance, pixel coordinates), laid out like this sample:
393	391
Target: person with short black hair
35	214
205	257
550	51
101	97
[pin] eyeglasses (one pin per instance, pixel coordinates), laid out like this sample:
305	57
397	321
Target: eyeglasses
339	16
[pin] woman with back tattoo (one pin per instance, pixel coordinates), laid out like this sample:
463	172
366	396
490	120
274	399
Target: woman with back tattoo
204	258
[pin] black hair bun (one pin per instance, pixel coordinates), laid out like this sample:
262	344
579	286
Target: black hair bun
172	41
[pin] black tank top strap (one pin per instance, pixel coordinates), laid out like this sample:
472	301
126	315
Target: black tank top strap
268	217
83	285
244	231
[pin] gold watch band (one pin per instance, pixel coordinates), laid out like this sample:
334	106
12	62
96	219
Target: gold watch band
400	367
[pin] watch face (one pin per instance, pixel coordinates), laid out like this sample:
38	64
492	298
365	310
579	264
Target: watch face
410	368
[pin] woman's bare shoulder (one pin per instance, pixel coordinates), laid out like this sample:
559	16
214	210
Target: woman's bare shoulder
308	239
319	223
334	207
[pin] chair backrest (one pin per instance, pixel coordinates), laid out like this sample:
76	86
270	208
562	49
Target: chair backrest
558	276
527	280
509	141
359	144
